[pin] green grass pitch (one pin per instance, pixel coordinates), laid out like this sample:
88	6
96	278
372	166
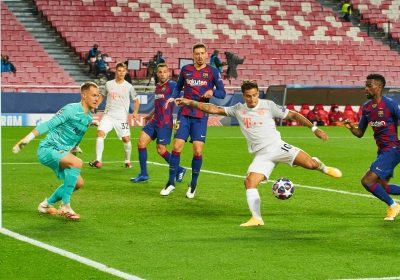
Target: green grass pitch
330	228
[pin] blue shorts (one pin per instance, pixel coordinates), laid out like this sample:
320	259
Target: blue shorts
385	163
162	134
51	157
196	128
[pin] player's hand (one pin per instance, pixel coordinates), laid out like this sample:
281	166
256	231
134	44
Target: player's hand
208	94
22	143
135	116
181	101
75	150
168	101
148	117
348	123
320	134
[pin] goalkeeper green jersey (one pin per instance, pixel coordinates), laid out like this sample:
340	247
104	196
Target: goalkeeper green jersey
66	128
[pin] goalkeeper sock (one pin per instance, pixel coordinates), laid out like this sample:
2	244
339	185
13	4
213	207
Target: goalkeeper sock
57	195
71	177
254	202
378	191
143	160
99	148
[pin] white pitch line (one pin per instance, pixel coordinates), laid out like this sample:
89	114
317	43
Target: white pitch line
70	255
124	275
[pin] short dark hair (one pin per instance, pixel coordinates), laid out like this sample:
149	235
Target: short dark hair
199	45
162	65
378	77
87	85
248	84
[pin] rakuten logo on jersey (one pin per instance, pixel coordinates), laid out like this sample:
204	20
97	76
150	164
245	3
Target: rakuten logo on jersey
159	96
377	123
194	83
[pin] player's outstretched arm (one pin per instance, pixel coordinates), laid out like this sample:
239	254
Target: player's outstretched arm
304	121
358	132
205	107
24	141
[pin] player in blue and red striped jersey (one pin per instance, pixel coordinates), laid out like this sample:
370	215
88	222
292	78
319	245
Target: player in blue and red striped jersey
159	126
198	81
382	114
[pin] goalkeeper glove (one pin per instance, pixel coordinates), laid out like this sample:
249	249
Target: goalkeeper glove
22	143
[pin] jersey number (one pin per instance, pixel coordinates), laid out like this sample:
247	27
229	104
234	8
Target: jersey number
286	147
177	125
125	125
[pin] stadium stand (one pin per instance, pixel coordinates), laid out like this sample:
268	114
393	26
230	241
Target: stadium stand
379	13
282	42
34	65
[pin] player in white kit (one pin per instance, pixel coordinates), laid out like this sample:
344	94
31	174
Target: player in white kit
256	120
119	95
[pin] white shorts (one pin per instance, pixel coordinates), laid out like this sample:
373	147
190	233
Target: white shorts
267	158
121	126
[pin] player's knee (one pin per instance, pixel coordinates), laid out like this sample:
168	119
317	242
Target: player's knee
141	145
250	183
78	163
366	182
79	184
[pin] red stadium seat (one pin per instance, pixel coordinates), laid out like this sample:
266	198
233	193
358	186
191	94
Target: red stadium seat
305	108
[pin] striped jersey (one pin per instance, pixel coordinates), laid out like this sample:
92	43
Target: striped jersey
163	117
196	83
383	118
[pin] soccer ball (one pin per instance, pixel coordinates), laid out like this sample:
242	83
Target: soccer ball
283	188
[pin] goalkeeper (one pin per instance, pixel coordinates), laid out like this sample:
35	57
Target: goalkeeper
66	130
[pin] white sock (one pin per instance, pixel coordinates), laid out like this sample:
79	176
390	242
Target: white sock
254	202
99	148
128	151
321	166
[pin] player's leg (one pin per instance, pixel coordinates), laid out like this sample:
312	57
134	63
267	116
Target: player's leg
144	140
253	199
304	160
72	167
182	128
382	167
128	151
260	169
163	139
198	133
123	131
105	126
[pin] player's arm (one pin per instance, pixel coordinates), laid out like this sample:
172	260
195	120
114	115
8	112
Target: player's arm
219	92
24	141
60	117
136	105
177	89
205	107
357	131
304	121
150	115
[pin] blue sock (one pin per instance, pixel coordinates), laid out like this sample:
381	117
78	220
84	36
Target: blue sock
197	161
173	166
393	189
143	160
57	195
167	156
71	177
378	191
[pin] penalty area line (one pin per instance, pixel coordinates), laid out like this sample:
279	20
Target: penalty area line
70	255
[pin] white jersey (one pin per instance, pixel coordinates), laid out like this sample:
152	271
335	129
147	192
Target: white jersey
119	98
257	124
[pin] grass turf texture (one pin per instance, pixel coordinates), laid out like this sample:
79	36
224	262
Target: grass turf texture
316	234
